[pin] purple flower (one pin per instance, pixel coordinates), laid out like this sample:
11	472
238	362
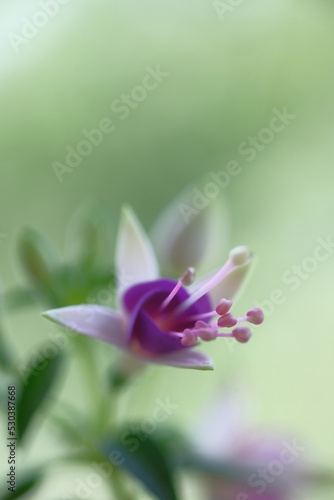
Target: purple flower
160	319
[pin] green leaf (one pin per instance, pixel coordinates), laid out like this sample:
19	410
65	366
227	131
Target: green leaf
73	285
39	256
146	460
6	380
35	388
6	354
24	485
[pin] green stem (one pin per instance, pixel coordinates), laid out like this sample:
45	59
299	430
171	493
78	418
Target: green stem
107	411
102	403
89	373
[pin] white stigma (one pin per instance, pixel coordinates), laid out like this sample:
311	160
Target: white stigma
240	255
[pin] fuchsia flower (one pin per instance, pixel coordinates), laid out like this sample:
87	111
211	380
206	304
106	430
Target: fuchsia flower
159	319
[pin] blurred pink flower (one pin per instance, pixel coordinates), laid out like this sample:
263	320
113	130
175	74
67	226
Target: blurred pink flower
276	461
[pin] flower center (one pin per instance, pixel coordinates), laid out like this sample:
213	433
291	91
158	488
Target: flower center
165	316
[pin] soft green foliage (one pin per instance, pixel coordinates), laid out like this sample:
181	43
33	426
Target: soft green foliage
148	463
35	387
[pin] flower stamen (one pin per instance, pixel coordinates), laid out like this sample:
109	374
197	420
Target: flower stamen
186	280
207	332
238	256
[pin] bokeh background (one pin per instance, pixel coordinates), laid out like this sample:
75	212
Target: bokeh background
226	75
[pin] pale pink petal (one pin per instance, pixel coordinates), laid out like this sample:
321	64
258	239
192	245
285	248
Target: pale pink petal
187	234
135	258
232	285
185	358
92	320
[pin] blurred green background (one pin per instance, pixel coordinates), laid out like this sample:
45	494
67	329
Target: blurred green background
225	78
